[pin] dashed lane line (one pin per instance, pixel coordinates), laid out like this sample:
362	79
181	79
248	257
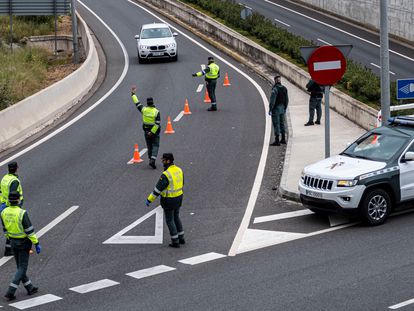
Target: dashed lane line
379	67
178	118
283	23
262	219
402	304
140	274
200	88
323	41
90	287
34	302
201	258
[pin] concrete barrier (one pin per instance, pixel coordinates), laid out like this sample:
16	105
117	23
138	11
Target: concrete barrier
345	105
34	113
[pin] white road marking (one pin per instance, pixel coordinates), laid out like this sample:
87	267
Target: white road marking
33	302
141	153
90	287
379	67
266	139
45	229
200	88
261	219
178	118
245	6
140	274
120	238
402	304
319	66
336	28
84	113
201	258
279	21
323	41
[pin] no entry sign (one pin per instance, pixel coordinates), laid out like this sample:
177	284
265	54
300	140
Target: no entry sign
326	65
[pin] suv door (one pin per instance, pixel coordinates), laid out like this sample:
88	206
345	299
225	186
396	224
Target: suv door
407	177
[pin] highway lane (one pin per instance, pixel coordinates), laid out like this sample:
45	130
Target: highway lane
85	164
323	29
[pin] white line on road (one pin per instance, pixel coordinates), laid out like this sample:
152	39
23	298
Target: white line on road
324	42
178	118
141	153
90	287
336	28
379	67
261	219
201	258
81	115
33	302
140	274
200	88
402	304
245	6
45	229
279	21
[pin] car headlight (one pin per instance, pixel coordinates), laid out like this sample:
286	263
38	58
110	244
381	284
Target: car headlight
143	47
171	46
347	183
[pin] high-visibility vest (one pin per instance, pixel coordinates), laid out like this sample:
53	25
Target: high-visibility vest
149	115
175	182
5	188
12	217
214	71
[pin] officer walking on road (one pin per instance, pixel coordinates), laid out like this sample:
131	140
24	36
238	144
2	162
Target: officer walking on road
211	73
315	101
10	182
151	121
18	228
170	186
278	103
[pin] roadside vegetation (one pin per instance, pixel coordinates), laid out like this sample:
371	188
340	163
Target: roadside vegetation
24	70
359	81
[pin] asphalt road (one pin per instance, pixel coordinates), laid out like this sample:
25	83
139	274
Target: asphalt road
356	268
323	29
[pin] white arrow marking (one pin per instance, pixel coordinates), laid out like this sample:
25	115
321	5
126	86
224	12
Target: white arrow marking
120	238
336	64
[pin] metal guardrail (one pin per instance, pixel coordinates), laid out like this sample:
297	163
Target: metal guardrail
34	7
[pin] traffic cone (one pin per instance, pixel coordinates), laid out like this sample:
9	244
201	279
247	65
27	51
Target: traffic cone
137	157
186	107
207	98
169	129
226	80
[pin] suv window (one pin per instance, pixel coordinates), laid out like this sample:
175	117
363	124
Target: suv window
156	33
376	147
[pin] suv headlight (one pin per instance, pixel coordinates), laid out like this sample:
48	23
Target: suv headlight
171	46
143	47
347	183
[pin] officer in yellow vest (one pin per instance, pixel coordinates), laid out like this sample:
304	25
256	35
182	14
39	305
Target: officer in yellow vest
170	186
151	121
211	73
18	228
10	182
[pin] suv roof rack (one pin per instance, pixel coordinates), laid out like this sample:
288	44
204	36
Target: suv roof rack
402	120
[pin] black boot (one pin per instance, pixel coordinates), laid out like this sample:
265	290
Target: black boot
10	296
32	290
283	140
174	243
212	108
181	239
152	164
276	142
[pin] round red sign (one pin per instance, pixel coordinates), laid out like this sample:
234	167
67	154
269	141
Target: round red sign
326	65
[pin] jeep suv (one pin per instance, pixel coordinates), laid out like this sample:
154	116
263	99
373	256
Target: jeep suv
156	41
370	177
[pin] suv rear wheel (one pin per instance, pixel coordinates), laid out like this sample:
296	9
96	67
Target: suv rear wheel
375	207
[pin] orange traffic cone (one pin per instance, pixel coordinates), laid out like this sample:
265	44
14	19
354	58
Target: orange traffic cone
226	80
169	129
137	157
186	107
207	98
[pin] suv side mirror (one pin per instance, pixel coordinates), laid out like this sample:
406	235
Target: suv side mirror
136	37
408	156
175	34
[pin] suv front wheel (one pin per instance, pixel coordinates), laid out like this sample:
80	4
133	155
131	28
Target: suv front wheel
375	207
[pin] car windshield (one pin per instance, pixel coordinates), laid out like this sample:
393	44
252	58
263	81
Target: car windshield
376	147
153	33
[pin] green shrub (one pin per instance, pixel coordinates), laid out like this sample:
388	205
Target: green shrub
24	26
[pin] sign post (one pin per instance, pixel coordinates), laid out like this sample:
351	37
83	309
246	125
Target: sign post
326	65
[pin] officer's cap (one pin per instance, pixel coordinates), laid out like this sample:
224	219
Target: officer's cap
150	101
14	196
12	166
211	58
168	156
277	76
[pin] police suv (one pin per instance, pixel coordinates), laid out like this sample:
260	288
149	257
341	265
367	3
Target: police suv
371	177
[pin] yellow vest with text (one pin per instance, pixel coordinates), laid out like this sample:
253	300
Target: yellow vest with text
214	71
5	188
176	182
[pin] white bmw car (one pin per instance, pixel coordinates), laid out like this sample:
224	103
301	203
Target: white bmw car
156	41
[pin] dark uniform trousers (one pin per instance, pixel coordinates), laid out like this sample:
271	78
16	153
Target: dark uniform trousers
211	89
171	207
153	144
315	103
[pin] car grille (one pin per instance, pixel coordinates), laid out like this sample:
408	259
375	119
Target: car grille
318	183
157	48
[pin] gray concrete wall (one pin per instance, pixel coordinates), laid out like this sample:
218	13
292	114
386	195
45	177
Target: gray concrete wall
400	12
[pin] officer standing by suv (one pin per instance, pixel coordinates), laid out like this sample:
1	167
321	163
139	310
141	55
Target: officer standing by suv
151	121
